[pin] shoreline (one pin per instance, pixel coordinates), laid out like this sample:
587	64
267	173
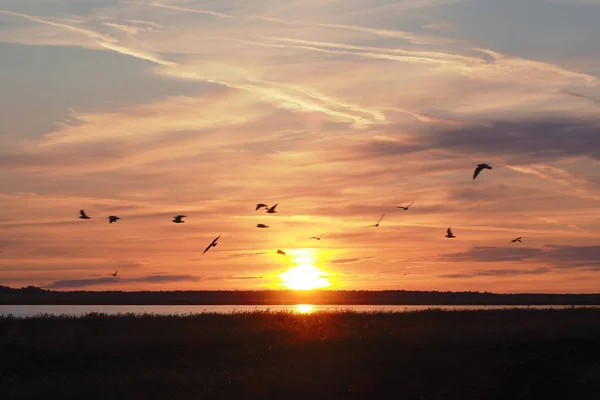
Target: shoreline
432	354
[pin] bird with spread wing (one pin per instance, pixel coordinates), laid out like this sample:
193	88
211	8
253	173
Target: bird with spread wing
212	244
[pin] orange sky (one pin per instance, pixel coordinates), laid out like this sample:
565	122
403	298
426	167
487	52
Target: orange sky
338	111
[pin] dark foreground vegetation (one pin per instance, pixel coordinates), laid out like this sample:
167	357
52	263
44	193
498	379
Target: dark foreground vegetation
506	354
36	295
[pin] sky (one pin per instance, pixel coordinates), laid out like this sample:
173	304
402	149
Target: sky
336	110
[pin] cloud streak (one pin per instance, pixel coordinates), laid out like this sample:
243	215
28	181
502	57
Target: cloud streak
498	273
186	9
557	256
81	283
89	33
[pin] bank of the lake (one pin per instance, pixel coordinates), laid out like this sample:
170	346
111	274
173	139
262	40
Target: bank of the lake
489	354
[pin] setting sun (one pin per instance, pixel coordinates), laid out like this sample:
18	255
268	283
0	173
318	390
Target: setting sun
304	276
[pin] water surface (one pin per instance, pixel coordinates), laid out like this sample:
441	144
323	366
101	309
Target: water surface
78	310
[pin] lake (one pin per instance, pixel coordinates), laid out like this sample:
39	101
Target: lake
76	310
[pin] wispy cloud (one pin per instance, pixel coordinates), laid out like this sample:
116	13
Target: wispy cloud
498	273
350	260
589	98
137	54
409	36
186	9
89	33
128	29
81	283
558	256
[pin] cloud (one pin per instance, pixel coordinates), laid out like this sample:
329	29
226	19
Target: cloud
89	33
350	260
79	283
421	57
408	36
498	273
441	26
589	98
521	141
103	41
494	254
186	9
128	29
557	256
151	24
502	63
137	54
249	254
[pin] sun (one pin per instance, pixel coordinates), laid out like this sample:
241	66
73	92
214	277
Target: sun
304	276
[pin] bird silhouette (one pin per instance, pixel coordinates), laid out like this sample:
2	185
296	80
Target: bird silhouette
518	239
212	244
178	219
480	167
281	252
83	215
112	219
406	207
449	234
377	224
261	205
262	226
271	210
317	237
115	274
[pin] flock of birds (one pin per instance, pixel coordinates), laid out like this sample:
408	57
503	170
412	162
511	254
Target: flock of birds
178	219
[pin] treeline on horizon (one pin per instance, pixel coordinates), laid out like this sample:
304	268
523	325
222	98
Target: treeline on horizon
32	295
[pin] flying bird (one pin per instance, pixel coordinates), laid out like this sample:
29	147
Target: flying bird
261	205
317	237
449	234
83	215
281	252
112	219
518	239
271	210
377	224
178	219
406	207
480	167
115	274
262	226
212	244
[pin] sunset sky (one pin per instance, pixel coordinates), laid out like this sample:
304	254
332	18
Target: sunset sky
337	110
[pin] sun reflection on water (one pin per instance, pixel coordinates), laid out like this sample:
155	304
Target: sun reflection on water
304	308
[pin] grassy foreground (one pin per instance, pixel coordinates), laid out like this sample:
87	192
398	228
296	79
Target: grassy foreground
506	354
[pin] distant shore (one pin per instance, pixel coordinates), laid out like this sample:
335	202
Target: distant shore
37	296
501	354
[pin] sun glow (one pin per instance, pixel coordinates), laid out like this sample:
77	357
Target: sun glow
304	308
304	276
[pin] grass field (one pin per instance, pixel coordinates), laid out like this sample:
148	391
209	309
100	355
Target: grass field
506	354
